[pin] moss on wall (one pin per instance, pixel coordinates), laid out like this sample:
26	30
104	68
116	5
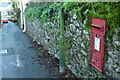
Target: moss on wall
77	19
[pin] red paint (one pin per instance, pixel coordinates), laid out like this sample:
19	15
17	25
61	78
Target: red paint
97	53
5	21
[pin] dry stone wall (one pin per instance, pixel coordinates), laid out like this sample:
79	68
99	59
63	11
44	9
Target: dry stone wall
112	65
78	46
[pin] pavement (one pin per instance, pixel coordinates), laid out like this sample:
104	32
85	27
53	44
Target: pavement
17	55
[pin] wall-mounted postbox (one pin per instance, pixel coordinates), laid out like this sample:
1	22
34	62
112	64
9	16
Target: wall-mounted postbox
97	43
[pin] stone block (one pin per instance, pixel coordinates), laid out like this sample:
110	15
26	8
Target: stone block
74	16
117	43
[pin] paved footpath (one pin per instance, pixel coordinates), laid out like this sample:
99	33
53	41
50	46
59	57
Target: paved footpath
17	56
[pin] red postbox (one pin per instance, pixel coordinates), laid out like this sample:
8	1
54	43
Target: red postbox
97	43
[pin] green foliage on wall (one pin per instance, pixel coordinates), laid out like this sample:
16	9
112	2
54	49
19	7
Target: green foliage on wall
46	12
109	12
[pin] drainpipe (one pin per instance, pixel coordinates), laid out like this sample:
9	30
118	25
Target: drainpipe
23	21
0	18
0	49
24	30
21	7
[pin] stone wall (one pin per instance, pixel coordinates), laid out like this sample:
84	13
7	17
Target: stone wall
112	65
78	47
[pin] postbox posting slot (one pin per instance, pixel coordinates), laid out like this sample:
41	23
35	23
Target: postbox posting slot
99	30
96	27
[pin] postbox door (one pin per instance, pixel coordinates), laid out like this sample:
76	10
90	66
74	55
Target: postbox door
97	47
97	51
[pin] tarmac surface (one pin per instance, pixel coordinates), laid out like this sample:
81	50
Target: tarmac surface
17	55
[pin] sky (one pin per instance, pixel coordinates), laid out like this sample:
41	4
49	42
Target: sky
4	1
4	6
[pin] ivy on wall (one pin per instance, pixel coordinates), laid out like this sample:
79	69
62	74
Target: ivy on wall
48	12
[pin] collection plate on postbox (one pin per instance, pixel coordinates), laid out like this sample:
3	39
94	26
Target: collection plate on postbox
97	43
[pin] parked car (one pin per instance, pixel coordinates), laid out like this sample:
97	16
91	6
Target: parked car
5	21
10	18
14	19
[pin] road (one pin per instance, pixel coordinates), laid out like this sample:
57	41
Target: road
17	56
